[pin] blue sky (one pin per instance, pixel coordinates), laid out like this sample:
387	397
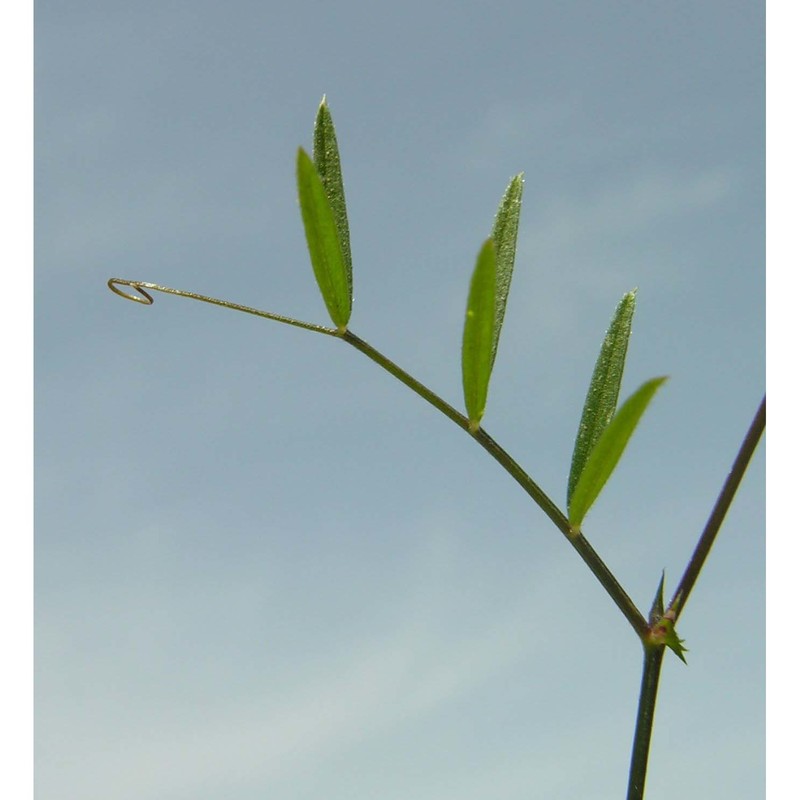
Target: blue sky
267	569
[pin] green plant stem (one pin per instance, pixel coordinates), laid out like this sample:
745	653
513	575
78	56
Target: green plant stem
719	511
581	545
145	299
651	672
575	538
654	655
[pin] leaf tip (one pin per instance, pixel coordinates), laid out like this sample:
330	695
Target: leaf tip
657	608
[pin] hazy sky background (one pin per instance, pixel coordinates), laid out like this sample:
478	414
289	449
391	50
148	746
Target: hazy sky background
265	569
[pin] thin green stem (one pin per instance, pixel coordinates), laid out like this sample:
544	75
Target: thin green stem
651	672
654	655
577	540
146	299
412	383
610	584
726	495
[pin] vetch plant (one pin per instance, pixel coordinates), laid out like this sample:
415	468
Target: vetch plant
605	427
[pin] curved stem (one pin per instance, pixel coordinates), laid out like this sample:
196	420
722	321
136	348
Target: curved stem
412	383
577	540
651	672
653	655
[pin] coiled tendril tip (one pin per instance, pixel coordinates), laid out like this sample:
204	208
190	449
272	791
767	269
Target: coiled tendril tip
141	295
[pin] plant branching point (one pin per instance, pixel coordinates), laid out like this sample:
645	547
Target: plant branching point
604	431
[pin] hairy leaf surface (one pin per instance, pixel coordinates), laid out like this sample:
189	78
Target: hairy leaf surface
504	234
601	399
609	448
326	160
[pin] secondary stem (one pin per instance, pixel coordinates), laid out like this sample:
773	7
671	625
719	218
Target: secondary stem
654	655
719	511
584	549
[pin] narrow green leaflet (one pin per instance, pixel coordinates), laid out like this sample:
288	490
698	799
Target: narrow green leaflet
504	234
324	245
486	305
326	160
601	399
609	448
476	350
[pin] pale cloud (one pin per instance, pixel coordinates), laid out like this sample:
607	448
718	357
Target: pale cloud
508	127
368	690
577	247
624	208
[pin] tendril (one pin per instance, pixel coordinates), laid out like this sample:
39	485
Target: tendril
141	295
